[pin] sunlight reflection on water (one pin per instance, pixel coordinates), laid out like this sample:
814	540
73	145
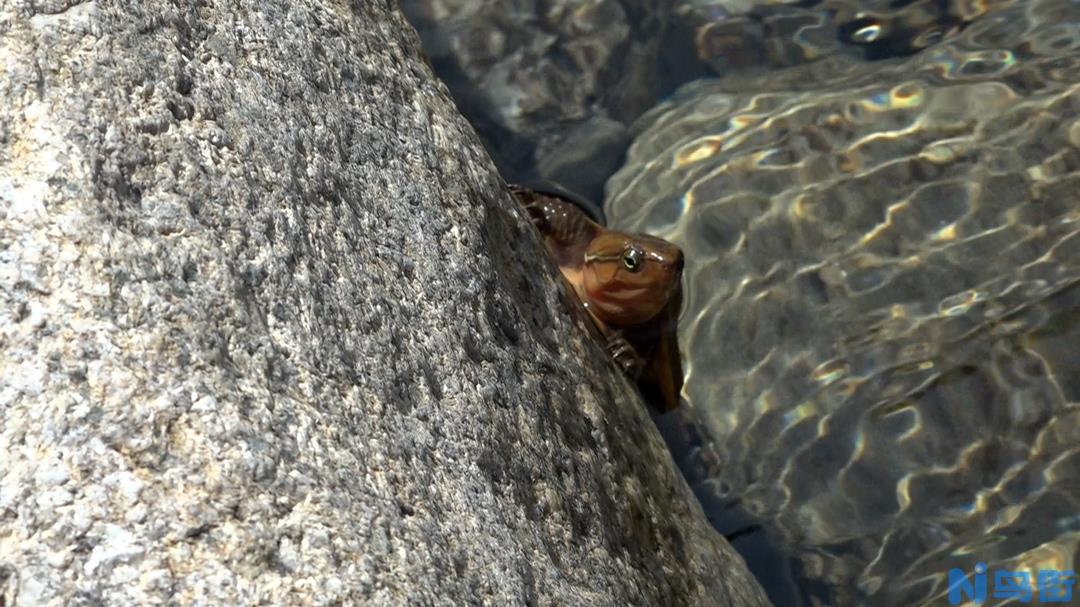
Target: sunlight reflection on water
883	272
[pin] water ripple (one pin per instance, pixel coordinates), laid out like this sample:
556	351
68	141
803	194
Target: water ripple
883	292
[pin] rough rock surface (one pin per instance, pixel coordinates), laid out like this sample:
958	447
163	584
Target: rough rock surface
883	302
272	332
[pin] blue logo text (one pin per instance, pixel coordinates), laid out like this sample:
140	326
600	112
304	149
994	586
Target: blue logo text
1051	585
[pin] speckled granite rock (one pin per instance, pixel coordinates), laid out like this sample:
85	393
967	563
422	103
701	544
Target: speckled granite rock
551	85
272	333
883	302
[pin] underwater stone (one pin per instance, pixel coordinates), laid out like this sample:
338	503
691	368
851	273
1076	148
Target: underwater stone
883	296
543	80
736	35
273	332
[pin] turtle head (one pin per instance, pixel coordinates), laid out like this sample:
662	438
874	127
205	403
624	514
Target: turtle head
630	278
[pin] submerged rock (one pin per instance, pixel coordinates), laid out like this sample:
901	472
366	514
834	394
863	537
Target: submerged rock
551	85
735	35
272	331
883	297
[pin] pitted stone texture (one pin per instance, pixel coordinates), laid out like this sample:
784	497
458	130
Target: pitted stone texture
882	303
550	85
271	332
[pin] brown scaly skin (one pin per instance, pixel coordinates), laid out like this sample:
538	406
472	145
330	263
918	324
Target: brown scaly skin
630	285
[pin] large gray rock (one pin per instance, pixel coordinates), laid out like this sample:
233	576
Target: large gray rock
272	332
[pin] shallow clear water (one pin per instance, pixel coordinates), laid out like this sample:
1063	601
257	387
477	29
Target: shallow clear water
880	208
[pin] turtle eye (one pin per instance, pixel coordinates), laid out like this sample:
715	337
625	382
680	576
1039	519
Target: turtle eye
632	260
